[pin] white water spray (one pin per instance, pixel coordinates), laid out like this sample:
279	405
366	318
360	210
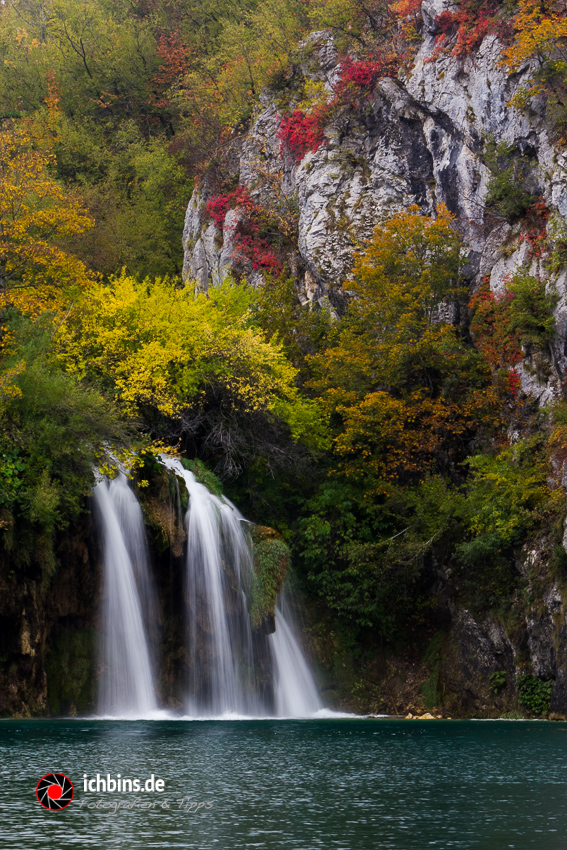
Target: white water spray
127	683
295	692
232	670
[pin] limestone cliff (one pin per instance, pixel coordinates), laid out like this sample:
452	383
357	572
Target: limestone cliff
418	140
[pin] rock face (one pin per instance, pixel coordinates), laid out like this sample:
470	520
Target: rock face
418	140
48	647
485	657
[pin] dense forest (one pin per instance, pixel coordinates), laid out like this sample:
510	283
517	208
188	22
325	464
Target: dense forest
385	433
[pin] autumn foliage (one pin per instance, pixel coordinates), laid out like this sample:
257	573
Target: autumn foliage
301	130
466	28
35	214
404	385
249	244
154	346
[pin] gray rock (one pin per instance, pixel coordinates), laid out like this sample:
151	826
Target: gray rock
418	141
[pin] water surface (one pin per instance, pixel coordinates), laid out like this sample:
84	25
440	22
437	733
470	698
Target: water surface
291	785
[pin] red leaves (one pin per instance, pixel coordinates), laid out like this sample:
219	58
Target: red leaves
301	132
537	217
514	383
217	209
472	22
257	250
366	73
248	242
491	328
445	22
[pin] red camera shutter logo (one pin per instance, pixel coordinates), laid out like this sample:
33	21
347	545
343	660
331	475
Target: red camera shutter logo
54	791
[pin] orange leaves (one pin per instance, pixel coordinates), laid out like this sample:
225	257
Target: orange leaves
540	36
35	214
539	27
384	435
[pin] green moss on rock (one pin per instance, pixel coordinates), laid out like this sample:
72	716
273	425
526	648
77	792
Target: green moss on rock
70	671
271	563
203	475
158	501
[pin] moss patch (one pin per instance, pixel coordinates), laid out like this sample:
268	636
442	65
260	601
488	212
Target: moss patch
159	501
271	563
70	671
203	475
430	688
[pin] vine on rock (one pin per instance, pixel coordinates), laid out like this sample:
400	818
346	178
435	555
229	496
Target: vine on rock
302	131
249	244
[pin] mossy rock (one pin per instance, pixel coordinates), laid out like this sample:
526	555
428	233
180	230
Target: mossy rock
203	475
271	563
430	689
70	671
158	502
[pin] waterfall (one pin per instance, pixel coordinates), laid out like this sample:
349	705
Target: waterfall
233	670
127	684
295	691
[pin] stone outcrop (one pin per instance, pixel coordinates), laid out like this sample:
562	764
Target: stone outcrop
417	141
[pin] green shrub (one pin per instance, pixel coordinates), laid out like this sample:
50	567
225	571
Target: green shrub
52	429
535	694
497	681
271	563
507	194
531	311
508	495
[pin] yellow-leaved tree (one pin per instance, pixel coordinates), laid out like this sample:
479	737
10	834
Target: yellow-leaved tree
168	354
36	213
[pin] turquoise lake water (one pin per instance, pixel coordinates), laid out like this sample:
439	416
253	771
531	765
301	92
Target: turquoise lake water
290	785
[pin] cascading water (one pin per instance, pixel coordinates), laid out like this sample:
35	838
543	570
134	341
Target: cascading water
295	691
127	683
233	670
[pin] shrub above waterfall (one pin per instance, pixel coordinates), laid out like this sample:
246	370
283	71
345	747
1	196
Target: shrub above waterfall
162	351
51	429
